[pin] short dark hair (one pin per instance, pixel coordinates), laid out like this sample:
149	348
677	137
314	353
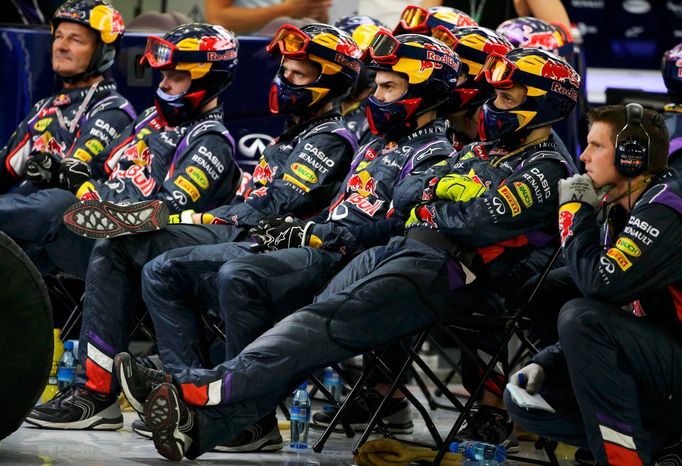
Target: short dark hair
654	124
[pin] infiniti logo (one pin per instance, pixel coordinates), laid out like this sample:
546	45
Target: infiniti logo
253	145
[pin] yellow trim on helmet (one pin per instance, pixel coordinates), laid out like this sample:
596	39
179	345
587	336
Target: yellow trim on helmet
318	93
101	19
533	65
196	70
416	74
364	34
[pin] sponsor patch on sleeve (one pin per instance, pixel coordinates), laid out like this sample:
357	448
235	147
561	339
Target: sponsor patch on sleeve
198	176
628	247
304	172
511	200
620	258
566	216
295	182
184	184
524	193
82	155
94	146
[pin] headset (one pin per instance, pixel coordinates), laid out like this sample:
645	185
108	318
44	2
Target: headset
632	149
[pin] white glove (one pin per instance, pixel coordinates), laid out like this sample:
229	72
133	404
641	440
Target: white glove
579	188
530	377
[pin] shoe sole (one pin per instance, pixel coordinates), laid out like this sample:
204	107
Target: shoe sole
93	423
122	364
97	220
162	414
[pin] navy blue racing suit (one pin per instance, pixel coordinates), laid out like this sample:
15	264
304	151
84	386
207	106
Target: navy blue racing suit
146	161
621	343
356	122
298	173
51	127
252	291
387	292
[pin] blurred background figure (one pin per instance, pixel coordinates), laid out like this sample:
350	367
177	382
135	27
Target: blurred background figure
28	11
671	67
250	16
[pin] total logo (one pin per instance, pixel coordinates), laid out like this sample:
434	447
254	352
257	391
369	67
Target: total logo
253	145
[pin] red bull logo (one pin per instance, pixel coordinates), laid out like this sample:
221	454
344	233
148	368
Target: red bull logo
566	216
558	71
362	183
543	40
139	154
47	143
263	173
427	215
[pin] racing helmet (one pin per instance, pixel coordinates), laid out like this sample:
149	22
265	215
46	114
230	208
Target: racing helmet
473	45
552	87
362	29
418	20
671	67
207	51
332	50
102	18
430	67
527	31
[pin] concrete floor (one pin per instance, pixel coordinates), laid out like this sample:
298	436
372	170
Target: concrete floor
30	446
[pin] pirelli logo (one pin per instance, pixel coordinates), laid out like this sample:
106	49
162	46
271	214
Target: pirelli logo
620	258
296	182
511	200
184	184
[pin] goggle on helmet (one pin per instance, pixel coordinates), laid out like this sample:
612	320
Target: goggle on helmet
334	51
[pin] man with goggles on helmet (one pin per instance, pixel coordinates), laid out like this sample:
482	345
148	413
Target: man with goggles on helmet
179	153
389	292
414	76
298	173
82	118
362	29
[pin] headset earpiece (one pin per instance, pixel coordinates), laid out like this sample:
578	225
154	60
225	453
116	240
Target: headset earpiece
632	144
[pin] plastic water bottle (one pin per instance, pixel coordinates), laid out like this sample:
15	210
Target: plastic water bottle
332	382
479	451
66	370
300	418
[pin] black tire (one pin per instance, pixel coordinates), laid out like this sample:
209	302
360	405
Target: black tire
26	335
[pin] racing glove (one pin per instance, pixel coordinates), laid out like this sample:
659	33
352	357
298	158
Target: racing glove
458	188
73	173
579	188
282	236
421	216
530	377
43	169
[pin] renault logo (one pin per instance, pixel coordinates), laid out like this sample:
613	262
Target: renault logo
253	145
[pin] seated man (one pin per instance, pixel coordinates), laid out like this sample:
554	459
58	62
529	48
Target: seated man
178	152
83	117
298	173
252	291
389	292
615	378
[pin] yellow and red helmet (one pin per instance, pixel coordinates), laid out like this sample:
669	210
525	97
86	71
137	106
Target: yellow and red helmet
473	45
552	87
207	52
418	20
527	31
102	18
430	67
332	50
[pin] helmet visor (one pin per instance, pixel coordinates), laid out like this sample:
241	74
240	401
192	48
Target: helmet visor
292	42
383	48
444	35
413	19
159	53
498	71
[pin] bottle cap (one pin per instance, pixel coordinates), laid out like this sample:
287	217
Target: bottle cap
453	447
68	345
304	385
